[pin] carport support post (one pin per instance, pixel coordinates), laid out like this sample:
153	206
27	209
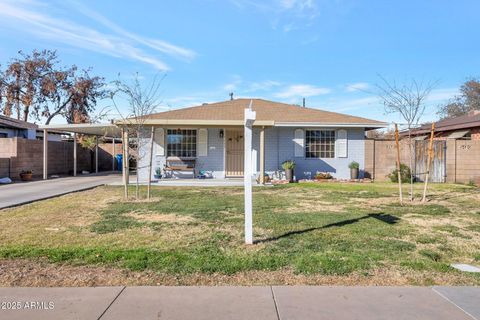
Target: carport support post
113	154
45	154
96	154
249	119
74	154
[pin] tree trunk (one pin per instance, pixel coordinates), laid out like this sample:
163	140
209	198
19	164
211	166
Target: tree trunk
26	111
399	174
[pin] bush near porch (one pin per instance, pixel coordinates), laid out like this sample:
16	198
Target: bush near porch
305	233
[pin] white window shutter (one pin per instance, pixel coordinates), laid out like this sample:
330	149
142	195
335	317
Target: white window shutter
202	146
299	143
342	143
160	141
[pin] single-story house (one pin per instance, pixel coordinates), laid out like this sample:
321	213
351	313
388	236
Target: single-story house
465	127
211	136
11	128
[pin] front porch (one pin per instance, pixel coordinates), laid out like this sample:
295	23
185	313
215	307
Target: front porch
233	182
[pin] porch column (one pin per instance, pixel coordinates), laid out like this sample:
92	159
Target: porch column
45	154
74	154
113	154
262	155
96	154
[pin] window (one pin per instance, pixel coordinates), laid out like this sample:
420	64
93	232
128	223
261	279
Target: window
320	144
181	143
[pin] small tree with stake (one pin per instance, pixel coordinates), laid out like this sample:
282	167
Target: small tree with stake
142	101
408	100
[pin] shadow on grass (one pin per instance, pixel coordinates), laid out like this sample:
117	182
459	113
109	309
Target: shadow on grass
387	218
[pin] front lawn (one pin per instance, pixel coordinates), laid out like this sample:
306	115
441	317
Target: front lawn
305	233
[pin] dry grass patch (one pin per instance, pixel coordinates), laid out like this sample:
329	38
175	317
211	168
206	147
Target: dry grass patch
158	217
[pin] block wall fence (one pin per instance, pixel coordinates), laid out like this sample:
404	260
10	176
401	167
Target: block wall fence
462	159
17	154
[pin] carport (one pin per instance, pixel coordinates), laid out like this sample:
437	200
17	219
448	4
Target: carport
92	129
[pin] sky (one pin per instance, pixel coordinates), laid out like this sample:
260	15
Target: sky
330	52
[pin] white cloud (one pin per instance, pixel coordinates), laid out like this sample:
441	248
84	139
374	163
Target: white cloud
298	4
262	85
120	44
442	94
355	104
241	86
233	84
156	44
302	90
359	86
286	15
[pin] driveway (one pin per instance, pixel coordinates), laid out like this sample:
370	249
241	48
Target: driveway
275	303
20	193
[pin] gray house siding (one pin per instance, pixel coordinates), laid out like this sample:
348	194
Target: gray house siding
279	146
213	163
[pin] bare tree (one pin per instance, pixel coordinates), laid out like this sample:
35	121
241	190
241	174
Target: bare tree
408	99
467	101
142	100
36	85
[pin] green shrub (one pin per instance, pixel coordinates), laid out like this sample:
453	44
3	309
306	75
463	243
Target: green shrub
404	174
289	164
354	165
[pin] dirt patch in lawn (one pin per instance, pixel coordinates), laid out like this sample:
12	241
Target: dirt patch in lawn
21	272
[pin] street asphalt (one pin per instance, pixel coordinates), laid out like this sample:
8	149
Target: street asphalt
277	302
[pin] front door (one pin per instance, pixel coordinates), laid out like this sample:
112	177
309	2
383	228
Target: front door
234	152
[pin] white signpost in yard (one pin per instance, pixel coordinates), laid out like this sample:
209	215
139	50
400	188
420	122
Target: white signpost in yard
248	173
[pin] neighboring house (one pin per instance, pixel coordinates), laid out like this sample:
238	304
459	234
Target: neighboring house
463	127
211	135
11	128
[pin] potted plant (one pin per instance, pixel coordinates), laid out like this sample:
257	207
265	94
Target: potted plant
26	175
158	173
288	166
354	166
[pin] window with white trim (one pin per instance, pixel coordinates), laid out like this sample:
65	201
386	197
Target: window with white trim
320	143
182	143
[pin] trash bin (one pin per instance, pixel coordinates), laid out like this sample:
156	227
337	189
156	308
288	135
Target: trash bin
119	158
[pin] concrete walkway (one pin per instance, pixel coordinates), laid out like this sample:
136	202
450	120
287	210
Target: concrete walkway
294	302
25	192
191	182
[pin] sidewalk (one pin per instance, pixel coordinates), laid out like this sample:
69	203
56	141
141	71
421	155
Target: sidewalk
294	302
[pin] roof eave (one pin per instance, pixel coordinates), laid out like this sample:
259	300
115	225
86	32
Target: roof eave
332	125
193	122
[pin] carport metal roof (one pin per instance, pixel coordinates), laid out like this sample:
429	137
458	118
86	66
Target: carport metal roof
97	129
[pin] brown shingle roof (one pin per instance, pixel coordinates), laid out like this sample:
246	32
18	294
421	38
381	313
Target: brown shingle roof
17	124
266	110
471	120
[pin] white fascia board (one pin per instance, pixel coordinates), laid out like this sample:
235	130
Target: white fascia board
330	125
